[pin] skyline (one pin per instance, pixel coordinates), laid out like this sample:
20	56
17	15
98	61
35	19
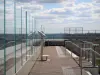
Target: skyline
55	16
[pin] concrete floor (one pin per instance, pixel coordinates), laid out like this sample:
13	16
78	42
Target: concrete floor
57	64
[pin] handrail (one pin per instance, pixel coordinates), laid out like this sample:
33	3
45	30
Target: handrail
93	49
91	43
86	48
74	44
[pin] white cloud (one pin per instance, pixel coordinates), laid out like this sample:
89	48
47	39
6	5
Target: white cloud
79	10
26	6
44	16
30	6
97	10
50	1
61	11
41	1
96	1
68	3
83	6
77	15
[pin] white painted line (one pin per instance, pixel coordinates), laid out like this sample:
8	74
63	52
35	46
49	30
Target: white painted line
60	52
68	71
88	73
74	55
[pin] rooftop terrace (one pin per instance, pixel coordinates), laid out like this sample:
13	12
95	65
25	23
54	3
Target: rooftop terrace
49	37
58	63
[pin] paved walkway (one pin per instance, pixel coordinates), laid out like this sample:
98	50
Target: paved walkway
58	63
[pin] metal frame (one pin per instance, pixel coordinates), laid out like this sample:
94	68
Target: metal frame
21	38
4	37
4	45
86	49
26	36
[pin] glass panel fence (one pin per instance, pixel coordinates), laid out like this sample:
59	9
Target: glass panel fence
2	37
19	38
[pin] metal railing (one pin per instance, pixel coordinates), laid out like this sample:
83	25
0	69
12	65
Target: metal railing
88	57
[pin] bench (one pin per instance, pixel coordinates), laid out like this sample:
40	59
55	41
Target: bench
45	56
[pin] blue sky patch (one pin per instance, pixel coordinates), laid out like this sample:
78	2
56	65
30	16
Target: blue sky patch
80	1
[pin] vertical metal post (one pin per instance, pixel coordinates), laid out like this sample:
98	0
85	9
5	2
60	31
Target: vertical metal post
29	23
34	32
29	34
15	31
81	60
84	50
21	39
4	37
93	57
26	35
65	46
32	35
89	52
88	55
42	43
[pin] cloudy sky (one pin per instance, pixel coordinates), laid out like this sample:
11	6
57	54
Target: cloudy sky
54	15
